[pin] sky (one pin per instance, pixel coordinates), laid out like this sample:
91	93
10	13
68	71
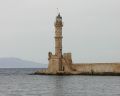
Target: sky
91	30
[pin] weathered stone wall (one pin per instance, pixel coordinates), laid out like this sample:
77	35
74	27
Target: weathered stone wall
67	61
97	67
53	65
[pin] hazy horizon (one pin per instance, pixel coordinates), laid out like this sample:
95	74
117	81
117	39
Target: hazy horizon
91	30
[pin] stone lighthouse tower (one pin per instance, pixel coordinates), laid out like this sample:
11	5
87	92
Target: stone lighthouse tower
58	40
58	62
58	36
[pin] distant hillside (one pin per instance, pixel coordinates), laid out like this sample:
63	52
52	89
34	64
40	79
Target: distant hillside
19	63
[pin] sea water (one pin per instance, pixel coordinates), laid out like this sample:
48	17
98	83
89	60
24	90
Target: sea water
17	82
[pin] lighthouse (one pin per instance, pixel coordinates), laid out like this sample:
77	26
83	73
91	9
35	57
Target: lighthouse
58	35
58	62
58	40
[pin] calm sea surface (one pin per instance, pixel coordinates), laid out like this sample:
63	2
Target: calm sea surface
17	82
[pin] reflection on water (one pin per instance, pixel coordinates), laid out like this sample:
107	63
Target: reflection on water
18	83
59	86
86	86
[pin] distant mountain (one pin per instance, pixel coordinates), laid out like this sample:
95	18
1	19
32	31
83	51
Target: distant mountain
19	63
